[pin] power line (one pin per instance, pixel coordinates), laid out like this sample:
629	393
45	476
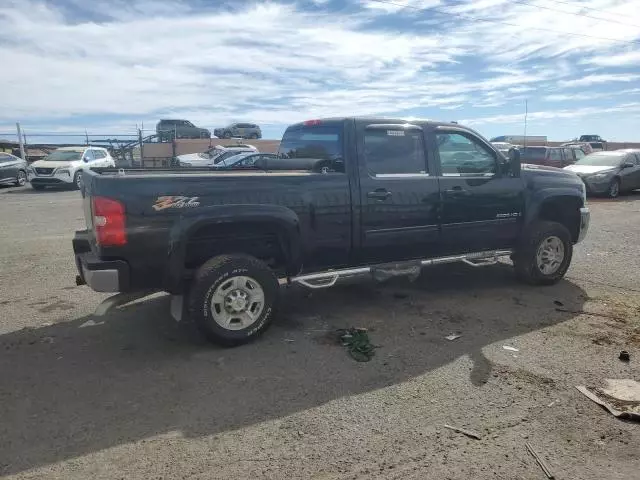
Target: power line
578	5
475	19
535	5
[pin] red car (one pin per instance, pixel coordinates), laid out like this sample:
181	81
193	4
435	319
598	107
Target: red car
551	156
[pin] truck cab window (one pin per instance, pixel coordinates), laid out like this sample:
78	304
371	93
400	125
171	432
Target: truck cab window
394	152
461	155
319	142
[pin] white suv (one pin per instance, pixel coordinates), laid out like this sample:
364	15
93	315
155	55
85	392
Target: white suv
65	165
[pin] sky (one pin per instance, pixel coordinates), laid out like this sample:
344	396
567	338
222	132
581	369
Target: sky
109	66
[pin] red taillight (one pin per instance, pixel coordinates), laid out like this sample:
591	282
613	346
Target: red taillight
312	122
109	222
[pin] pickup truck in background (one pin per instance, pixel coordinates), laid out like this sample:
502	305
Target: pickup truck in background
595	141
346	197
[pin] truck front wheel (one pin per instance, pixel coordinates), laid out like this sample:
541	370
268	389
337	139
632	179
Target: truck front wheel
544	254
232	299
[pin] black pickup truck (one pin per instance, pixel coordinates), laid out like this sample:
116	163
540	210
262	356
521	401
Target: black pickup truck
390	197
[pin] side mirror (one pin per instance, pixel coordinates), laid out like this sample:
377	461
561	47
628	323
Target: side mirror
514	162
628	165
85	160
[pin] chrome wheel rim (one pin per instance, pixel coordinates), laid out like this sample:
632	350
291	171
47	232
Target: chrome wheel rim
22	178
79	180
550	255
614	189
237	303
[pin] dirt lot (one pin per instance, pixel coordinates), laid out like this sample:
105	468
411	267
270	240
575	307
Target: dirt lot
133	395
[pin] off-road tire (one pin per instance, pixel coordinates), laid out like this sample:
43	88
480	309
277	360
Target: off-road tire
214	273
525	256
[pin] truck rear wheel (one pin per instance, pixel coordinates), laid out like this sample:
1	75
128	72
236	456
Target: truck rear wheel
232	299
544	254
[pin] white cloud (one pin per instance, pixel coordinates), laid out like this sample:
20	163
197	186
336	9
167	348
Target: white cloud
275	64
633	107
619	60
599	79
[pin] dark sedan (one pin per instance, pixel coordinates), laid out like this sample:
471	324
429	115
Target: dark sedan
13	170
610	172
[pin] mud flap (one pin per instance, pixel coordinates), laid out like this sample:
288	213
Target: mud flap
177	307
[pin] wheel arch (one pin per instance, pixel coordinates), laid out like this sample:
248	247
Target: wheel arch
247	222
558	206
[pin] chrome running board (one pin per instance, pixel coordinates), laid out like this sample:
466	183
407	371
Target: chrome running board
330	277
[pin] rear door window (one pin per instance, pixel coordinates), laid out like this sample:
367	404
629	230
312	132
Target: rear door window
555	156
394	152
323	142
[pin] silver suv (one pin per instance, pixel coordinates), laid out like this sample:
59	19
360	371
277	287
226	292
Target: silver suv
239	130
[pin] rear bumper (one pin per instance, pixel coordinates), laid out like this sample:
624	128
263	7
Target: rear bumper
100	275
585	220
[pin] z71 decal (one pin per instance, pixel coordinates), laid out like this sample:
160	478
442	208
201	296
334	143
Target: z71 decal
162	203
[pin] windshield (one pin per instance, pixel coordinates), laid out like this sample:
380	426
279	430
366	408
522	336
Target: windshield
534	153
225	155
63	156
313	141
601	160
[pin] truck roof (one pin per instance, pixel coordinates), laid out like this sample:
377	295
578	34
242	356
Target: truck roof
337	120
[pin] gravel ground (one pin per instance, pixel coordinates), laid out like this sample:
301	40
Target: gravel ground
133	395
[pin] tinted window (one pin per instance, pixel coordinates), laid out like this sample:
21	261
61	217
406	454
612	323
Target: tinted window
534	153
555	155
99	154
225	155
568	155
88	155
393	152
313	141
578	153
464	155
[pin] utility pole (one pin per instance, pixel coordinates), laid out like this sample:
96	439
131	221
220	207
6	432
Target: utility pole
23	155
86	136
141	148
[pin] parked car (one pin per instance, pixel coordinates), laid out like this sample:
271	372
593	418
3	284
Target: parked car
402	196
66	166
239	130
549	156
609	173
13	170
245	160
585	147
213	155
167	130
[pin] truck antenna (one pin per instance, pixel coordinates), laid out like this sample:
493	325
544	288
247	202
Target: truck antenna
526	112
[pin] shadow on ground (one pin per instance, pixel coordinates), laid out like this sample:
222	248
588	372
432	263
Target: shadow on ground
72	388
